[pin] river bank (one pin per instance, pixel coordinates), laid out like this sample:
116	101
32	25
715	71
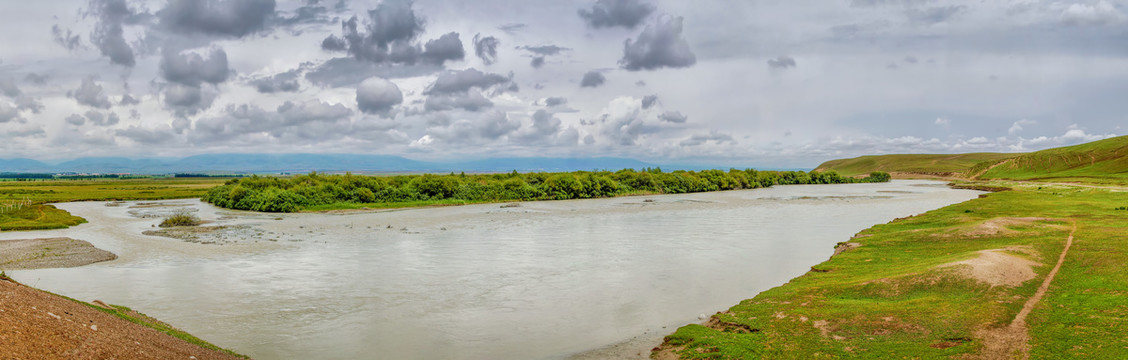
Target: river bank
1034	272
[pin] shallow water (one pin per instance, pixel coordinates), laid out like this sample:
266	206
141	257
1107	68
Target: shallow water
540	281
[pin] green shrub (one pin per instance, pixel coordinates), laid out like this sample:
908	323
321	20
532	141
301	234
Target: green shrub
180	218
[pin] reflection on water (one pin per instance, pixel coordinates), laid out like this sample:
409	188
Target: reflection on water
541	280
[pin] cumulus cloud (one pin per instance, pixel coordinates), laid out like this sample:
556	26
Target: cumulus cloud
75	119
191	69
486	127
592	79
108	34
462	80
37	79
91	94
544	127
700	139
146	135
537	62
673	117
100	119
611	13
8	112
1099	13
660	45
378	96
470	100
486	48
649	101
943	122
298	113
1019	125
555	101
283	82
389	37
186	100
781	62
128	100
230	18
623	123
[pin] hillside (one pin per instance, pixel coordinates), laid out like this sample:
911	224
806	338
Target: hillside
908	165
1101	161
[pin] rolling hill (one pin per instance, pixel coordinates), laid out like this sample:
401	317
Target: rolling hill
1098	161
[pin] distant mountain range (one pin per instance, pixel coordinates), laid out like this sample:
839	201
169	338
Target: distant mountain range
299	163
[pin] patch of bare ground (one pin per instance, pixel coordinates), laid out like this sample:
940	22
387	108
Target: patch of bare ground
38	325
49	253
1000	226
1013	340
997	267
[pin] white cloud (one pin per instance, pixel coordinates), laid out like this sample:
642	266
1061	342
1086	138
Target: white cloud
1019	125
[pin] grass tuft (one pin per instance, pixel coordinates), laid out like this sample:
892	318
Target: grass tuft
180	218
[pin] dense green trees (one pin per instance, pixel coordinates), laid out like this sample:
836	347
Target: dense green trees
288	194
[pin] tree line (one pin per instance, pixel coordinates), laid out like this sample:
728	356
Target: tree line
289	194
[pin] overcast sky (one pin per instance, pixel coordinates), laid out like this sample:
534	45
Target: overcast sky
741	83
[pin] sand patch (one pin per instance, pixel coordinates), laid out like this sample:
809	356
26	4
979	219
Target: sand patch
213	235
49	253
997	267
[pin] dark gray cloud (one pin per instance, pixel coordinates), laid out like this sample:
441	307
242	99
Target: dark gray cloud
660	45
648	101
544	50
37	79
496	124
66	38
512	29
298	113
611	13
486	48
282	82
592	79
446	48
672	117
700	139
781	62
537	62
310	13
76	120
555	101
457	81
108	34
231	18
192	69
91	94
911	60
186	100
471	100
100	119
389	37
9	113
934	14
378	96
544	127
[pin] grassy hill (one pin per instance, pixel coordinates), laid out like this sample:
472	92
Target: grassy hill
1098	161
946	165
1103	161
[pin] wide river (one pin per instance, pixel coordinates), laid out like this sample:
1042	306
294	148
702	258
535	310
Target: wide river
542	280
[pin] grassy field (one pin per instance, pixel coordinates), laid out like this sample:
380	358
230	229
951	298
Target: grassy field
921	164
1104	161
35	215
896	295
1098	162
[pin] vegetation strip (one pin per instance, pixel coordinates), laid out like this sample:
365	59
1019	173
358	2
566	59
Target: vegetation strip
329	192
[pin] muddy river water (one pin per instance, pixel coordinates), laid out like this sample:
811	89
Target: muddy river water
539	280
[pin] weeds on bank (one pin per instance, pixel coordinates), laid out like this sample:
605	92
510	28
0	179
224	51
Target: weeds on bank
180	218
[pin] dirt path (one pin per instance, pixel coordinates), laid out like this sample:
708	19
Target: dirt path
976	176
1013	340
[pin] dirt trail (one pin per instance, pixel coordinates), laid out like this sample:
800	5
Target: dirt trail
1014	340
976	176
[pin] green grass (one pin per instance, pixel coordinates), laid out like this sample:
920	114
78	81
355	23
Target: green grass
1104	161
888	298
920	164
38	216
180	218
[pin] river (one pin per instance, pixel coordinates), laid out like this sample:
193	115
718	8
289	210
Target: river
542	280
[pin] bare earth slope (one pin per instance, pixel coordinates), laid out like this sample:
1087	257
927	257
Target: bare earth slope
39	325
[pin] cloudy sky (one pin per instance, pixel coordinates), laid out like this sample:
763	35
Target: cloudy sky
741	83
